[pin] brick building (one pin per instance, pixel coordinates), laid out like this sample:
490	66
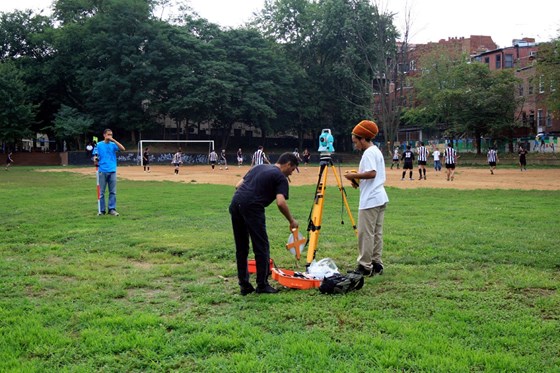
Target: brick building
523	57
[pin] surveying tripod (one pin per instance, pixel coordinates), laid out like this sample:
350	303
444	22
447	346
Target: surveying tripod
316	215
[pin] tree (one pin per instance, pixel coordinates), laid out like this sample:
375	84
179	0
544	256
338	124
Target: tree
548	68
467	98
71	124
16	110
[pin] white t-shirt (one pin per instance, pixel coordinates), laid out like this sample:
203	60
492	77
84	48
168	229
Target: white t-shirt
436	154
372	191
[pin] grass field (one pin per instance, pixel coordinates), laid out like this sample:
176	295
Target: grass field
471	283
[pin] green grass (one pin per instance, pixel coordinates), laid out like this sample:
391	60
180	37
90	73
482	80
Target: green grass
471	283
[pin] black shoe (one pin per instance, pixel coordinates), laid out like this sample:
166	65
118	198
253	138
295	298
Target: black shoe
360	269
377	269
267	290
248	289
101	213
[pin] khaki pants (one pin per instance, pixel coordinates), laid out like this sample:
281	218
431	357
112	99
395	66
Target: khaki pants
370	235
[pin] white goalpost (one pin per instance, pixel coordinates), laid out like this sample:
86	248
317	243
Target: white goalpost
141	146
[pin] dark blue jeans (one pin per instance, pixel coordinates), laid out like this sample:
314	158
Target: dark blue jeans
108	179
250	222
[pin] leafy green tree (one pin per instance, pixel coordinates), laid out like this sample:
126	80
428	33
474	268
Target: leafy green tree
16	110
248	81
548	68
467	98
335	44
70	124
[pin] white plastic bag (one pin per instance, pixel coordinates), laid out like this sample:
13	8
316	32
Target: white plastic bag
323	268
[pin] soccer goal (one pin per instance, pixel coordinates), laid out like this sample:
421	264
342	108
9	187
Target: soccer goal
143	143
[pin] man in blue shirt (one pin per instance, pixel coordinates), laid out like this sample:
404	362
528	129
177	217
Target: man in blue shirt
106	158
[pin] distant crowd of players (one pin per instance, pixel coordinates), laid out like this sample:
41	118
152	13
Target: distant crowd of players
421	154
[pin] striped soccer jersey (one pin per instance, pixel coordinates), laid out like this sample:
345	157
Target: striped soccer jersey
450	155
258	157
423	154
492	155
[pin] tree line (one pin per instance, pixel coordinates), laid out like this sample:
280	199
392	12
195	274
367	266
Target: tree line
297	67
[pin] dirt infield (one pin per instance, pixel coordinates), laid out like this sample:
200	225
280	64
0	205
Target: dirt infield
465	178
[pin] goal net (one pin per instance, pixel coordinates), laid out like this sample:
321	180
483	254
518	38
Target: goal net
183	144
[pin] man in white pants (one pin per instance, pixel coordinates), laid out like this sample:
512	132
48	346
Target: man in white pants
373	199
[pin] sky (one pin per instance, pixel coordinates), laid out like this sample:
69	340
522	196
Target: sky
430	20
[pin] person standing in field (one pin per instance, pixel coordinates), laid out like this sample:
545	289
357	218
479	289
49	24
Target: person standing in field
522	158
306	156
177	160
373	199
213	158
396	160
259	157
239	158
9	160
146	159
492	157
259	188
408	159
105	156
296	153
437	162
223	159
423	154
450	156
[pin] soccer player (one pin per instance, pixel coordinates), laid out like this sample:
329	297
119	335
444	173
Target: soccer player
408	158
423	154
177	160
223	159
492	157
450	156
9	161
146	159
239	157
213	158
259	157
395	158
522	158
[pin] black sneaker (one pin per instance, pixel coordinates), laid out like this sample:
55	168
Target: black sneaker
377	269
101	213
246	289
360	269
267	290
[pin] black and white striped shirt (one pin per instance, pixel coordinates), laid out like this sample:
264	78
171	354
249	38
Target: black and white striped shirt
492	155
258	157
423	154
450	156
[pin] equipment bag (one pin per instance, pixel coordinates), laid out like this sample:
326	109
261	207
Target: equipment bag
341	284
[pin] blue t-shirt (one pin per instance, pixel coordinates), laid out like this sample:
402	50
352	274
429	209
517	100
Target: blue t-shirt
107	153
261	185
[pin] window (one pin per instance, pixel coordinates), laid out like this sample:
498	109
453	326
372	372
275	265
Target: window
548	120
520	87
531	89
508	61
499	62
541	84
487	60
540	120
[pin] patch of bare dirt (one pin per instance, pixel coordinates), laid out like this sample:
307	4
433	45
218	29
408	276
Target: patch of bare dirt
465	178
